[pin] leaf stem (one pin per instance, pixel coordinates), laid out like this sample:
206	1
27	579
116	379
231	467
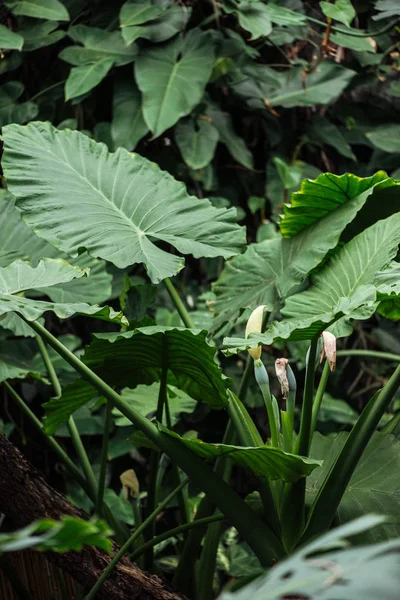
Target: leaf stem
302	445
103	459
180	307
258	534
369	354
319	396
125	548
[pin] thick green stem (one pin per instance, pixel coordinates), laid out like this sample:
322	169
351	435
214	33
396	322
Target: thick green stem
125	548
73	430
261	377
104	459
302	446
180	307
369	354
319	396
331	492
254	531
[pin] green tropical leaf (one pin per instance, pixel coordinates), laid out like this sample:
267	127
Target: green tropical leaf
159	29
136	13
365	571
269	271
338	411
20	276
83	79
73	179
340	10
128	126
196	141
282	15
21	243
387	8
41	35
172	78
326	133
317	198
227	135
354	42
10	111
387	283
262	86
144	399
255	18
374	486
343	288
263	461
52	10
190	361
17	359
10	40
70	533
97	45
386	137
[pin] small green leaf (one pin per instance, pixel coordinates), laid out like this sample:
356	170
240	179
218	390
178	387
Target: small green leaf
10	111
10	40
85	78
387	8
128	126
172	78
255	18
386	137
97	44
196	141
52	10
41	35
340	10
171	20
290	174
263	461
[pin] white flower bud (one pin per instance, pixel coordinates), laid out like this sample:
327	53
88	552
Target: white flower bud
254	325
329	349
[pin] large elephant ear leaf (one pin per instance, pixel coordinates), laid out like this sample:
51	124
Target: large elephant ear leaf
20	276
344	288
75	194
187	355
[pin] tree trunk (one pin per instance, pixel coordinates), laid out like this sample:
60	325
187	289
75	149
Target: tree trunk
25	497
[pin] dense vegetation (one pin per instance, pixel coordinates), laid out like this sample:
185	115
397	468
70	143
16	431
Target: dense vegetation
200	290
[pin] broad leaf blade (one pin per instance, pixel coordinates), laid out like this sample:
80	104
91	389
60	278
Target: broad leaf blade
73	180
97	44
52	10
10	40
172	78
197	142
263	461
128	126
85	78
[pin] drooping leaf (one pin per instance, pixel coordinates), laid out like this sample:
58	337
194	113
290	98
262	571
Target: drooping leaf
339	10
144	399
159	29
51	10
322	196
264	87
190	361
196	141
73	180
375	485
10	111
269	271
41	35
255	18
263	461
227	135
172	78
386	137
128	126
21	243
70	533
9	40
97	44
343	288
365	571
20	276
83	79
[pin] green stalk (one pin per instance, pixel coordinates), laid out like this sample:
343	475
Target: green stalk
103	459
180	307
173	532
261	376
369	354
293	501
137	533
331	492
73	430
319	396
254	531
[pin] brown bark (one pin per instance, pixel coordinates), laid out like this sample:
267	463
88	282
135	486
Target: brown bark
25	497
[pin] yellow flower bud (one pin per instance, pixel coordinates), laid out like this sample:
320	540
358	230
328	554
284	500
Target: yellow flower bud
130	483
254	325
